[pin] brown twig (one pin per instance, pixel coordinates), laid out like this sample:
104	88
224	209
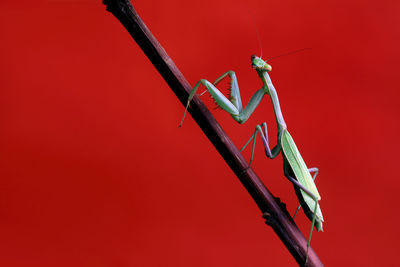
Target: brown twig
274	211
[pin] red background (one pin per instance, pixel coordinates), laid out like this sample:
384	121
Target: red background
95	172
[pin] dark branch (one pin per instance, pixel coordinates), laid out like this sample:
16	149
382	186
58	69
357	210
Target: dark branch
274	212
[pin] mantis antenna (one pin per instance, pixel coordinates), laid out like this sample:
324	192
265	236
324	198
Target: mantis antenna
258	34
260	43
288	53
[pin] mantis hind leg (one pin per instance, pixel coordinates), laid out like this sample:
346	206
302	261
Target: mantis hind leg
315	171
296	183
264	137
311	230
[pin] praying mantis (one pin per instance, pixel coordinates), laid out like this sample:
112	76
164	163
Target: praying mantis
294	166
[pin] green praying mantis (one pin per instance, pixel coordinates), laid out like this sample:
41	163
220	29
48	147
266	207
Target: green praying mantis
294	166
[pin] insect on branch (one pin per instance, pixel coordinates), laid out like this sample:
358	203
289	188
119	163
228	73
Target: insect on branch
274	211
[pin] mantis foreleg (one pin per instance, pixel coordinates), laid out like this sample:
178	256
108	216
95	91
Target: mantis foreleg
233	105
221	100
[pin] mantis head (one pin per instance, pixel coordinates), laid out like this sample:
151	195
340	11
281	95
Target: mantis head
260	65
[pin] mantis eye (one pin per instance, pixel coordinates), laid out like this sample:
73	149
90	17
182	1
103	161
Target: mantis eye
253	59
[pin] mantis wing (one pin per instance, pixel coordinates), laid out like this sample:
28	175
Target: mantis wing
302	174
